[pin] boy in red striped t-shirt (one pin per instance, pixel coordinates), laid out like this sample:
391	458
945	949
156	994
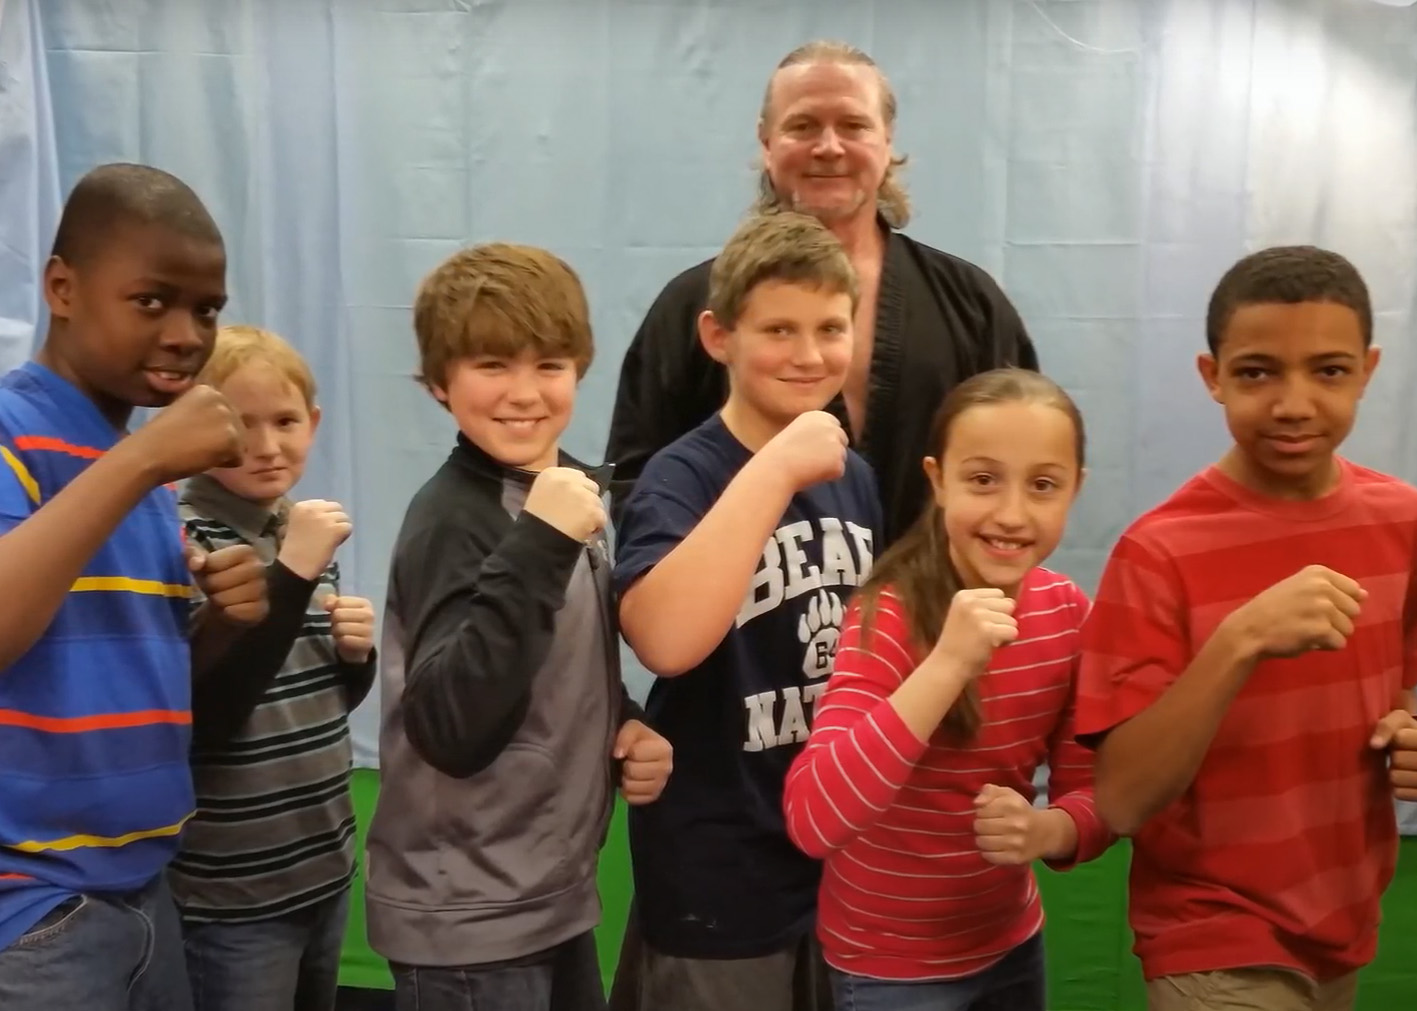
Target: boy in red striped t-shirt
1247	668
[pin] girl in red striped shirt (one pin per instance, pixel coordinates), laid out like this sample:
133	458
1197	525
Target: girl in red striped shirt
953	682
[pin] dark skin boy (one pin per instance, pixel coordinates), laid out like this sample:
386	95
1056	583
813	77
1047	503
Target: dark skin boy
132	322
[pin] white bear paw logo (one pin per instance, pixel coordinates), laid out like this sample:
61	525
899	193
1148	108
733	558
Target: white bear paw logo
819	630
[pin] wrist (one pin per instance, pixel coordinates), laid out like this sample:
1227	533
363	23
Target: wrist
302	565
141	469
949	670
1058	836
358	654
768	477
1237	638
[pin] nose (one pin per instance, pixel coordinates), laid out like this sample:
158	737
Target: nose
522	387
1010	511
828	145
181	334
261	441
1295	401
805	352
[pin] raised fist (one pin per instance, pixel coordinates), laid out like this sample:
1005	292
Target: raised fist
568	500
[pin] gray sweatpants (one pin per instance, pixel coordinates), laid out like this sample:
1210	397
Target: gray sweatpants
647	980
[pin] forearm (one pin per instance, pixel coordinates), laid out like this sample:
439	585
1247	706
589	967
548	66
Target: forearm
1147	762
470	666
927	694
848	777
675	616
212	639
232	682
42	557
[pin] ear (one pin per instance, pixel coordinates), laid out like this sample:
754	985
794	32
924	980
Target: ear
1209	370
1371	358
59	288
932	474
315	415
714	337
1082	480
439	394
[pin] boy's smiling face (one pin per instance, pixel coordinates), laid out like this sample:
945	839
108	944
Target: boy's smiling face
788	352
512	408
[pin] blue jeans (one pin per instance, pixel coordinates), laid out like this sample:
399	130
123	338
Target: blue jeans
100	953
289	961
565	978
1014	983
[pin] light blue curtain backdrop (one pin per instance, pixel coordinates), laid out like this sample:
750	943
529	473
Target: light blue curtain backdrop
1105	159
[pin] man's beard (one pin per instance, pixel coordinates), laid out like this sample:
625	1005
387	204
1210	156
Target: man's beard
827	213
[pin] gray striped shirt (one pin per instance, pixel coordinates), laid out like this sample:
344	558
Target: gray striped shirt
274	826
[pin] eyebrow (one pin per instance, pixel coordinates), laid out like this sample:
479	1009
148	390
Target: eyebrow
989	461
1257	358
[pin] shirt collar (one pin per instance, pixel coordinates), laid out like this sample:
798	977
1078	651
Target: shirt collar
253	521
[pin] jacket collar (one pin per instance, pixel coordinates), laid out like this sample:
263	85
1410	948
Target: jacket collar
472	457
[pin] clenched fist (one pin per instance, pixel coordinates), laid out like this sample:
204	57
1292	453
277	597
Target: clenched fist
352	625
810	450
648	759
1397	732
1312	609
196	432
979	621
313	531
568	500
233	581
1008	830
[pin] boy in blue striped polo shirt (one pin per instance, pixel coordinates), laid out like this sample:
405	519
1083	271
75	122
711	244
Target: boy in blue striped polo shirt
95	659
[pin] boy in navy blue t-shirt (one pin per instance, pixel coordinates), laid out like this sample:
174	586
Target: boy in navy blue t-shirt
738	550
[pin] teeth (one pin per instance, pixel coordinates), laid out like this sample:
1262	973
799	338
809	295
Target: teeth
1002	544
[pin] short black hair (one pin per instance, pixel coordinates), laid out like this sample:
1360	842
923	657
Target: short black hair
1288	274
118	195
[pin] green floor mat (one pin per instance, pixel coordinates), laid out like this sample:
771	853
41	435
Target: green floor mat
1090	964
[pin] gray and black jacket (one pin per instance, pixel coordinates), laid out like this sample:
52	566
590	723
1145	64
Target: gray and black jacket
501	698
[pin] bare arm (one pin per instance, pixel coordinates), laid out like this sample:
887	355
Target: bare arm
1148	761
42	556
674	617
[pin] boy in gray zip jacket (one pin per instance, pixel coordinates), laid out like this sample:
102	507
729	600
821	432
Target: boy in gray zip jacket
505	725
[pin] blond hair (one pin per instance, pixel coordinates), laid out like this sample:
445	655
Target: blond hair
778	246
892	200
239	345
500	299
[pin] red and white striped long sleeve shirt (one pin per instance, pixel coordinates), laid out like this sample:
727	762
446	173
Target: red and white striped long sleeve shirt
905	893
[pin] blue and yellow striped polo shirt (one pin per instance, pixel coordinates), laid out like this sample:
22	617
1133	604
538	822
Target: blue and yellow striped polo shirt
95	719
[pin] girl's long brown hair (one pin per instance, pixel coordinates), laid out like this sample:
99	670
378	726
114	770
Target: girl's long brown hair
917	567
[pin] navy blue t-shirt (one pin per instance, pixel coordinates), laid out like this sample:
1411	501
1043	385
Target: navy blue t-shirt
716	875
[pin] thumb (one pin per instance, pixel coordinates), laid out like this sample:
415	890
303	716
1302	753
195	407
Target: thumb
329	604
1387	728
989	793
196	558
625	740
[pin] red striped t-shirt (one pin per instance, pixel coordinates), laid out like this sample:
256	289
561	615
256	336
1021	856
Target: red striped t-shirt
1278	853
905	893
